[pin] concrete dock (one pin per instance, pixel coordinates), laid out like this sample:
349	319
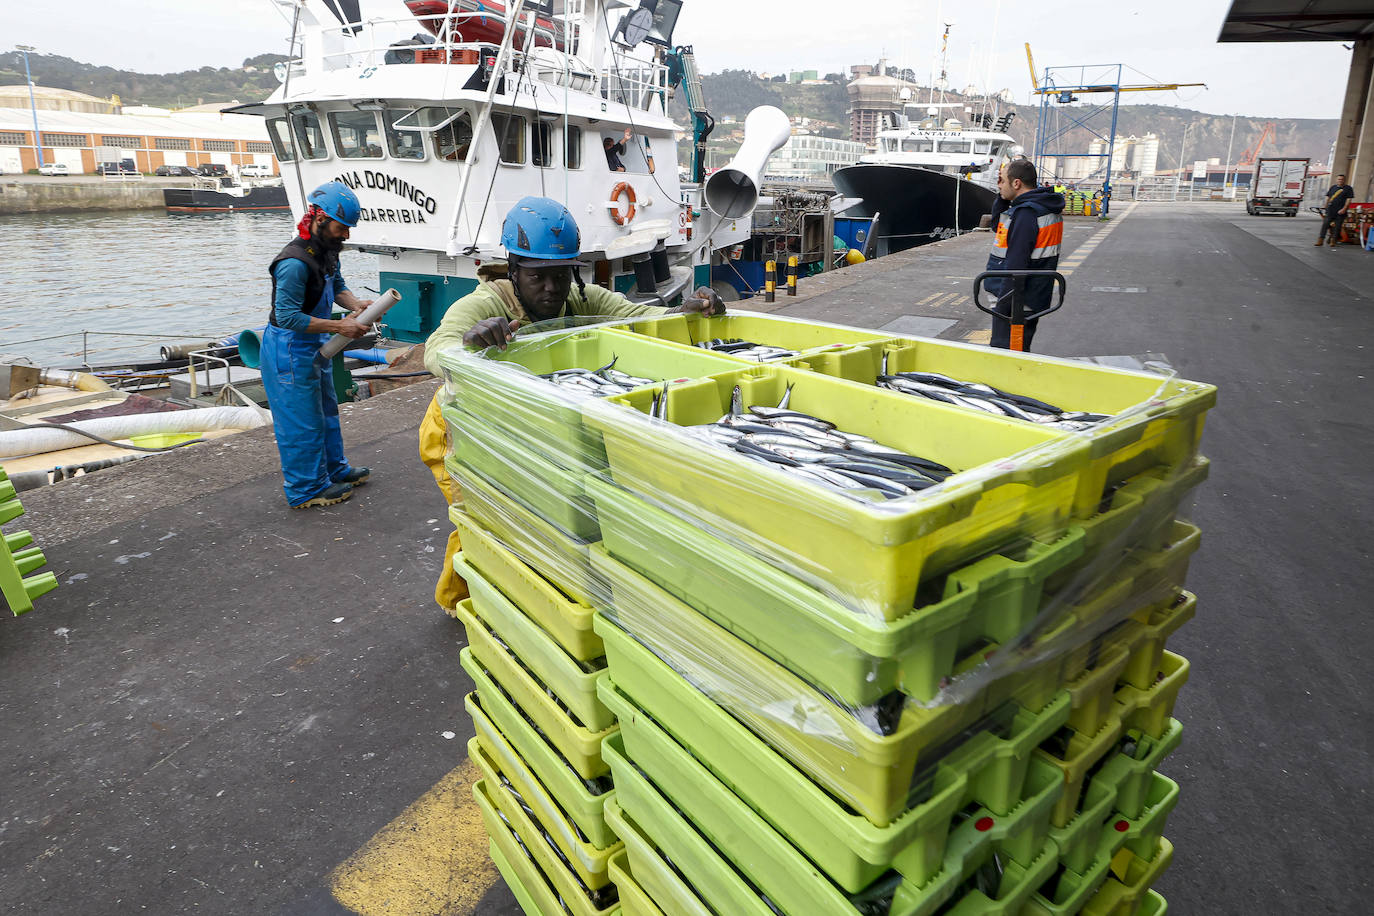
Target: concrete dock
228	707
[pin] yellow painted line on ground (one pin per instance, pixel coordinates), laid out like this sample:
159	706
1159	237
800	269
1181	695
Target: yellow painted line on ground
979	337
929	299
431	859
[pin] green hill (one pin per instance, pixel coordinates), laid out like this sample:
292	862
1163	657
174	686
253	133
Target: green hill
252	81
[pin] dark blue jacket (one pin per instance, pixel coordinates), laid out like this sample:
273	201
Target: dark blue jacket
1027	237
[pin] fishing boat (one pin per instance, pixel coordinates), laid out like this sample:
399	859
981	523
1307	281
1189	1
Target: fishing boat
931	176
442	120
221	194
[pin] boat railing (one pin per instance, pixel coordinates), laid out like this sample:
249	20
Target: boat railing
633	81
382	42
210	360
116	377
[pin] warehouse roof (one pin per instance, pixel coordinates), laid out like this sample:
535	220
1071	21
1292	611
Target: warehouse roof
1298	20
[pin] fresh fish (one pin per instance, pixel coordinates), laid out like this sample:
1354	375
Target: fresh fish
792	416
786	397
736	402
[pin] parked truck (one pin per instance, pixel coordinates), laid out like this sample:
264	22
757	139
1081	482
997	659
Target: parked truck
1277	186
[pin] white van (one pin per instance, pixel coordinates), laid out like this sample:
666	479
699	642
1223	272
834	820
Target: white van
54	168
256	171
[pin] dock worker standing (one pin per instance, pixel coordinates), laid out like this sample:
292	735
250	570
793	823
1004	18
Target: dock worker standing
1338	200
542	245
1026	237
306	282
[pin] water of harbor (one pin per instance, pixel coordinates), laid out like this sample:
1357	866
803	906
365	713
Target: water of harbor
197	277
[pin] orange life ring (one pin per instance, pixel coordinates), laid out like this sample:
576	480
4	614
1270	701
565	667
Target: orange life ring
629	192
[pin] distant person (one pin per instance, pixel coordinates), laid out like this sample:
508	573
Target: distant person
306	282
614	151
1027	235
1338	200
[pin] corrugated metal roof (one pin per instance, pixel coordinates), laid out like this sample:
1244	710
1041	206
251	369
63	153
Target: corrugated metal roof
204	125
1298	20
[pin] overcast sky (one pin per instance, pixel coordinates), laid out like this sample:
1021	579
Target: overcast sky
1174	42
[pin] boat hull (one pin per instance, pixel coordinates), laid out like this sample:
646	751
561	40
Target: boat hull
914	205
272	197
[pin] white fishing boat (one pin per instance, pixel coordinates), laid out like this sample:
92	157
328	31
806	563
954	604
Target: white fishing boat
441	115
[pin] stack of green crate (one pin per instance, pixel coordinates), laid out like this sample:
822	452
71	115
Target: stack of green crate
19	557
772	646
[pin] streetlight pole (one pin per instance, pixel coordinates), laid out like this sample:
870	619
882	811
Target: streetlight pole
1226	179
1178	173
33	105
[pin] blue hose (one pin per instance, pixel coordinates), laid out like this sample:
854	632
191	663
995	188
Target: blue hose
375	355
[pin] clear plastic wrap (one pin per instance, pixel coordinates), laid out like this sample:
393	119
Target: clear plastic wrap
863	636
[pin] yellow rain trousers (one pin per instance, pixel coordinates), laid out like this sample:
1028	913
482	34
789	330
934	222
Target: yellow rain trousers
433	447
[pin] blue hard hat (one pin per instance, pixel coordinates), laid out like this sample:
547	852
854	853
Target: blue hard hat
337	201
542	232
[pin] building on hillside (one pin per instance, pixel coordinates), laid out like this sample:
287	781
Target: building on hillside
811	159
870	98
153	137
46	98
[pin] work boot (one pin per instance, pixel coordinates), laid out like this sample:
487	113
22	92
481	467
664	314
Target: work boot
1318	243
355	476
1333	243
329	496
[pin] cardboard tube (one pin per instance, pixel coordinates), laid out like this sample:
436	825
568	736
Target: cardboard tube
370	315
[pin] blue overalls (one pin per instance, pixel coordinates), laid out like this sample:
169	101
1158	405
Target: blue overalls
305	409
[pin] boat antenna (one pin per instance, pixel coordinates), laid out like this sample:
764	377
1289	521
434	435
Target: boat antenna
286	97
944	62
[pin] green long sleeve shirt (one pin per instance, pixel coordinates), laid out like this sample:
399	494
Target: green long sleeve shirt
496	299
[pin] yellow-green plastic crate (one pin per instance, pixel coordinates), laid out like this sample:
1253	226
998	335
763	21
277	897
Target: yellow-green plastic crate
665	880
717	833
503	385
547	549
1150	710
855	658
634	900
804	337
871	556
580	745
1127	891
554	494
1146	634
850	849
567	620
837	747
509	736
1129	774
589	863
534	861
572	682
1162	421
530	904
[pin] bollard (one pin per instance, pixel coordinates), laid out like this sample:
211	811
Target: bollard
791	275
770	281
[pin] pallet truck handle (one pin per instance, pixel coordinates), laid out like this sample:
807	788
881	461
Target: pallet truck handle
1018	279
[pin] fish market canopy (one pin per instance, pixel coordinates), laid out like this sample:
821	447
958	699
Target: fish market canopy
1298	20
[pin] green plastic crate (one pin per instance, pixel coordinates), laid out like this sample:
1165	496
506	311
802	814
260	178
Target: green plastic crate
806	337
1127	891
842	751
634	900
857	659
555	495
888	548
19	557
728	835
664	882
1162	421
547	549
1153	904
589	863
851	849
530	904
1128	774
1146	635
509	736
534	861
579	745
572	682
1150	710
502	385
568	621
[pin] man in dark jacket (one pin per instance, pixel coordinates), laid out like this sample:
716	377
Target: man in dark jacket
1026	237
1337	202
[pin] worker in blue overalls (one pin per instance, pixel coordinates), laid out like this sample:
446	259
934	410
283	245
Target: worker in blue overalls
306	282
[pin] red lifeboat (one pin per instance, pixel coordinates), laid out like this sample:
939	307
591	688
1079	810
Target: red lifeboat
479	21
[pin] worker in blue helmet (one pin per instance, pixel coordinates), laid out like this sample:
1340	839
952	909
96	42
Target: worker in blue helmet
541	282
306	283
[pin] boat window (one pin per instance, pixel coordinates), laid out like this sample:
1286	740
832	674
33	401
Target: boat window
572	146
982	147
356	135
403	144
510	137
280	135
954	146
541	144
309	135
454	139
918	145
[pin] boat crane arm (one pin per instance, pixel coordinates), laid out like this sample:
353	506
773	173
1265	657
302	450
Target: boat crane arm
682	70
